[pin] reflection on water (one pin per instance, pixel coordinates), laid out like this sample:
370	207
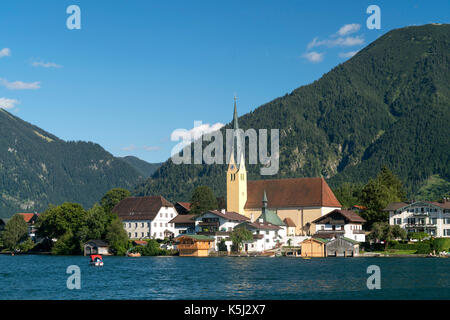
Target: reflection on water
44	277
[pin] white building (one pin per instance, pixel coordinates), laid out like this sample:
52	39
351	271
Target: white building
266	236
337	223
147	217
218	224
421	216
183	224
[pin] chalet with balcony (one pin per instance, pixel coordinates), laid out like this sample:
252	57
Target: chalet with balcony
340	223
421	216
194	245
218	224
183	224
266	236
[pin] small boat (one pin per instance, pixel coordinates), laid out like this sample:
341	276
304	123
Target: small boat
96	260
135	254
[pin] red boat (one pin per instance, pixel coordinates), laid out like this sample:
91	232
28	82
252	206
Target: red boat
96	260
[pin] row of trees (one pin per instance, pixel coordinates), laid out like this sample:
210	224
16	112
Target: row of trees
375	196
65	228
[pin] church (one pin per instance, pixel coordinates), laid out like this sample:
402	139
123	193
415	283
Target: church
298	201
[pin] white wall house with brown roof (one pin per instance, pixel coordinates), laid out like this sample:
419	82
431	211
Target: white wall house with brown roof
340	223
421	216
266	236
147	217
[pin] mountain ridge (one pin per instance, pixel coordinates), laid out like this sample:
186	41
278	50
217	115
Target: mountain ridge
378	108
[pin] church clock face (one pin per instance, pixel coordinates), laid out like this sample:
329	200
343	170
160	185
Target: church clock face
232	166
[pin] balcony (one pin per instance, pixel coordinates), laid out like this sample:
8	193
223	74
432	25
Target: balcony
359	231
193	246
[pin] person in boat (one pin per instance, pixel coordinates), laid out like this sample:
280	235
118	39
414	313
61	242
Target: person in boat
96	258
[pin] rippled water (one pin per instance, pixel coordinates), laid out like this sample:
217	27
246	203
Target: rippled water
44	277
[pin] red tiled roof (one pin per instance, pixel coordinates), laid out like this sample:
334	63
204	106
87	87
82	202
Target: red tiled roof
230	215
262	225
27	216
296	192
360	207
140	208
183	218
186	205
288	221
348	215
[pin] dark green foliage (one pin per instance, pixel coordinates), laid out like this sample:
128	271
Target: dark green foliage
383	231
37	168
144	168
117	237
222	246
388	105
418	235
378	193
348	194
238	236
203	199
441	244
16	231
113	197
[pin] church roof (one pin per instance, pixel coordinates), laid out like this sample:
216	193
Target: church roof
271	217
294	192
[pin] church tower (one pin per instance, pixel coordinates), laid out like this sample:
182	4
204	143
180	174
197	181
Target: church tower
236	173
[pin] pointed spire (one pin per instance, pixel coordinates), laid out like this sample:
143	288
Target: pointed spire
264	206
235	116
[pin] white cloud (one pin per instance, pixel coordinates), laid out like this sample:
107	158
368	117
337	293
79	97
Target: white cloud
349	29
6	103
5	52
20	85
45	64
341	42
129	148
313	56
152	148
188	136
348	54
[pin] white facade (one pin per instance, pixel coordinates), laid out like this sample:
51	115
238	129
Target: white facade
422	217
152	229
352	231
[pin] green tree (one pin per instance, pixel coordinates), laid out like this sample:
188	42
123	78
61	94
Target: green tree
117	237
348	194
16	231
97	221
113	197
238	236
202	200
382	231
378	193
67	244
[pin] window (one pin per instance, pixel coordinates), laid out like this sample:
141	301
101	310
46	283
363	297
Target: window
142	234
129	234
446	232
433	220
397	221
447	221
135	234
267	240
160	224
160	234
136	224
155	224
148	234
167	225
142	224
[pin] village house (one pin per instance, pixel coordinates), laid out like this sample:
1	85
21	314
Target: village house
96	247
218	224
194	245
147	217
266	236
337	223
31	220
183	207
302	200
421	216
183	223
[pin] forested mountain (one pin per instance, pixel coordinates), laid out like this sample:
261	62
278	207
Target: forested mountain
37	168
388	105
145	168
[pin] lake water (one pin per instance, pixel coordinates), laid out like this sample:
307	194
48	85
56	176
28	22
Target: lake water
44	277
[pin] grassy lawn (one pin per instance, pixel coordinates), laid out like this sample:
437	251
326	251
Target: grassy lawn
395	251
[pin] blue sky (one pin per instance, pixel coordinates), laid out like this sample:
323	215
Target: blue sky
138	70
